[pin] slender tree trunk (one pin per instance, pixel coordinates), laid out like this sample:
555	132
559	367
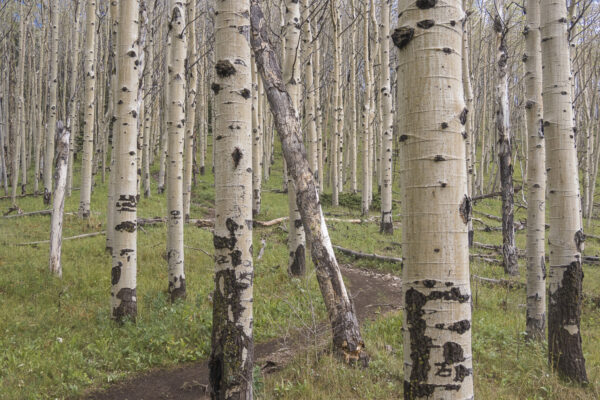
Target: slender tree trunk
536	177
52	86
466	76
503	131
112	178
387	225
90	111
313	151
337	88
73	119
347	339
19	139
366	202
190	109
124	255
256	144
176	126
437	296
353	103
566	238
232	356
58	202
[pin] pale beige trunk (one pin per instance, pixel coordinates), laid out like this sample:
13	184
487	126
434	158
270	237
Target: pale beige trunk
336	137
386	225
366	116
468	132
112	178
231	359
256	143
313	151
90	111
73	120
190	108
435	279
58	201
566	238
19	139
353	104
124	255
536	177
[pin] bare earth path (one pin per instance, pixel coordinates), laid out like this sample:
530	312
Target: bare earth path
372	292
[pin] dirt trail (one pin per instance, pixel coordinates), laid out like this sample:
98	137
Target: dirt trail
372	293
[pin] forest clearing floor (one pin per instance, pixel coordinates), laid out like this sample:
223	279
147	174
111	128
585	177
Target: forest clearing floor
373	294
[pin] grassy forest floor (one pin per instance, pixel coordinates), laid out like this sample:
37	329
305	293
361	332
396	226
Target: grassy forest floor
58	341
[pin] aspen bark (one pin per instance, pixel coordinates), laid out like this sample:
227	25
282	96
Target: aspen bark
256	144
466	76
90	110
19	139
231	359
347	339
504	134
73	119
366	116
112	178
536	176
353	103
124	255
291	76
335	138
190	108
387	225
52	87
313	153
58	202
566	238
435	277
176	126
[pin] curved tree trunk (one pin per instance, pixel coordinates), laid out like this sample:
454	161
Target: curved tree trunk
566	234
437	209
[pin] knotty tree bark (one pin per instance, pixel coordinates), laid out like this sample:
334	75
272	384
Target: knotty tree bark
536	176
231	359
436	206
347	339
124	254
58	202
566	238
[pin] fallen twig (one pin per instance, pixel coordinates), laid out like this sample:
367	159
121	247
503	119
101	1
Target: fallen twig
85	235
359	254
501	282
493	194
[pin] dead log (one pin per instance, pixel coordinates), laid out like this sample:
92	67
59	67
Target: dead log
359	254
493	194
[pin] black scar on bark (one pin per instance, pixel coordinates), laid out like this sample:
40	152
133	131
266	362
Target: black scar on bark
128	306
402	138
126	203
465	209
115	274
420	346
298	223
460	327
543	266
298	266
444	125
438	158
461	372
579	240
426	23
216	88
565	353
402	36
224	68
463	116
245	93
126	226
237	156
179	292
429	283
425	4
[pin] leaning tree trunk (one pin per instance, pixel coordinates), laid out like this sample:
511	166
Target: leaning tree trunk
52	86
231	359
89	121
124	255
566	236
387	225
347	339
437	297
509	247
296	235
58	202
536	177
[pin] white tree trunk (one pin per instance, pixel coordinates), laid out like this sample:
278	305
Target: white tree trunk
190	108
58	202
387	225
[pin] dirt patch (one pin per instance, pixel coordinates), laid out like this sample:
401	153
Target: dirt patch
372	293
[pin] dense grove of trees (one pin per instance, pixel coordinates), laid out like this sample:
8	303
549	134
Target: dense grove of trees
442	101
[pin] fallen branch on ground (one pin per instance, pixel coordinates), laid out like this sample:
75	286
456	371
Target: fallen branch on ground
493	194
501	282
85	235
359	254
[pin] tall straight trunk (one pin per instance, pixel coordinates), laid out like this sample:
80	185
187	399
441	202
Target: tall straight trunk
466	77
504	135
347	340
124	255
3	124
566	238
536	176
58	202
335	138
73	119
19	139
387	225
148	116
311	123
366	117
256	144
52	86
112	178
319	114
232	356
353	103
296	236
190	108
437	208
176	126
90	111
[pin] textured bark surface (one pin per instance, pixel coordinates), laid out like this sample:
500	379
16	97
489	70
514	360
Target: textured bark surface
504	144
58	202
386	225
89	101
73	118
124	251
347	339
366	116
257	143
536	176
112	179
176	126
437	209
566	238
190	108
232	355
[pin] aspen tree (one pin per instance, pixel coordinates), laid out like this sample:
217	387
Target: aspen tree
90	110
291	73
176	126
231	359
52	87
335	138
536	176
366	137
468	87
566	238
73	119
58	201
124	255
112	178
353	104
504	143
435	277
148	115
190	107
387	225
19	140
40	117
256	144
313	156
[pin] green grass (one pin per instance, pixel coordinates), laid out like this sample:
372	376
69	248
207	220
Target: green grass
58	341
